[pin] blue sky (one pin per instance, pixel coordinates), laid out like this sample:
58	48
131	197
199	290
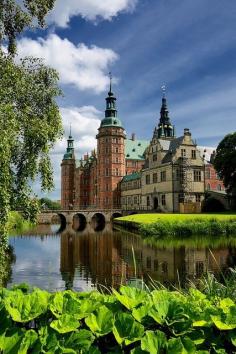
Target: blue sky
188	45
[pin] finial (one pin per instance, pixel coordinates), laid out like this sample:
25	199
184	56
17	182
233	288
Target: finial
163	88
110	76
70	129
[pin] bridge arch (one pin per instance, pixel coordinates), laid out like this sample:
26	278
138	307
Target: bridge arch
98	221
79	222
58	219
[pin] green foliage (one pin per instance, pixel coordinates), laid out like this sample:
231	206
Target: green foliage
161	322
189	228
46	203
225	162
15	16
29	116
30	125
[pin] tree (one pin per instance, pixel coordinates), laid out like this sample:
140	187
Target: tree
15	17
225	162
30	121
47	203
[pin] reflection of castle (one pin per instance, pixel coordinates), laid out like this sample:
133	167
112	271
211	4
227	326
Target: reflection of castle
107	259
156	175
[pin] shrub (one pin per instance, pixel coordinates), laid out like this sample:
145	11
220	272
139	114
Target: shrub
129	321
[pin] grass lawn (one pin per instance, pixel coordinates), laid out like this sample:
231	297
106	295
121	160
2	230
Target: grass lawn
154	218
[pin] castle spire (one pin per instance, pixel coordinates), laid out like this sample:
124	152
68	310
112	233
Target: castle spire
70	147
165	128
110	101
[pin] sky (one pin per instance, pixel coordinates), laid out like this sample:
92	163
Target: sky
187	45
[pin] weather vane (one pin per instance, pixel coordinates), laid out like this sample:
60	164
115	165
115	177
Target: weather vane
110	76
163	88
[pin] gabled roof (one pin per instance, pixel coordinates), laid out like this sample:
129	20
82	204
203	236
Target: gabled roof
132	177
134	149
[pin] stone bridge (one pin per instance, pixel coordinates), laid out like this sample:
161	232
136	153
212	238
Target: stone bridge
222	197
78	218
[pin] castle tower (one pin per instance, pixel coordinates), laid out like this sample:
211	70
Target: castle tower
67	175
110	155
165	130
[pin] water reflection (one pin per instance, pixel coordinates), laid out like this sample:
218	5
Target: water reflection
87	259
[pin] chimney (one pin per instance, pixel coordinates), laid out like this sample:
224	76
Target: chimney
133	136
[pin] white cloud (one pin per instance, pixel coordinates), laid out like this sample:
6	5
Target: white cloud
89	9
81	66
84	122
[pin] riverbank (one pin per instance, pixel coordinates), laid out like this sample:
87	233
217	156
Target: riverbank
180	225
130	320
17	222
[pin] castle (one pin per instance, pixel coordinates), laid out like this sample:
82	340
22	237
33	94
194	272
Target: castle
168	173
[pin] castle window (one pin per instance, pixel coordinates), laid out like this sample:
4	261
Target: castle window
208	173
199	266
147	179
165	267
107	150
149	262
154	177
148	201
197	176
163	199
181	198
198	198
193	154
117	172
116	149
163	176
155	265
107	172
154	157
183	152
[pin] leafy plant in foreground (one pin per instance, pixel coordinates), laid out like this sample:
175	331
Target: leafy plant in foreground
127	321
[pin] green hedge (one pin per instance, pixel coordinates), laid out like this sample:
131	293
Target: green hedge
189	228
129	321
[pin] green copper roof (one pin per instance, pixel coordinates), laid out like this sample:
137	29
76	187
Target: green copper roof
132	177
111	122
68	156
134	149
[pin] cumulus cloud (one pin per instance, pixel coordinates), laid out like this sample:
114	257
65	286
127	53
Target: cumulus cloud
92	10
84	67
84	122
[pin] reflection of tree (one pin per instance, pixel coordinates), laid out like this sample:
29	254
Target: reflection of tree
7	258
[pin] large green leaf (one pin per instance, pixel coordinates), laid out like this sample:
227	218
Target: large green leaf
181	346
62	303
130	297
24	308
226	304
153	342
100	322
10	341
65	323
81	340
28	341
141	312
126	329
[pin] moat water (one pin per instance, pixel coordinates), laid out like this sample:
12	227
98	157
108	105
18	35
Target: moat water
86	260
